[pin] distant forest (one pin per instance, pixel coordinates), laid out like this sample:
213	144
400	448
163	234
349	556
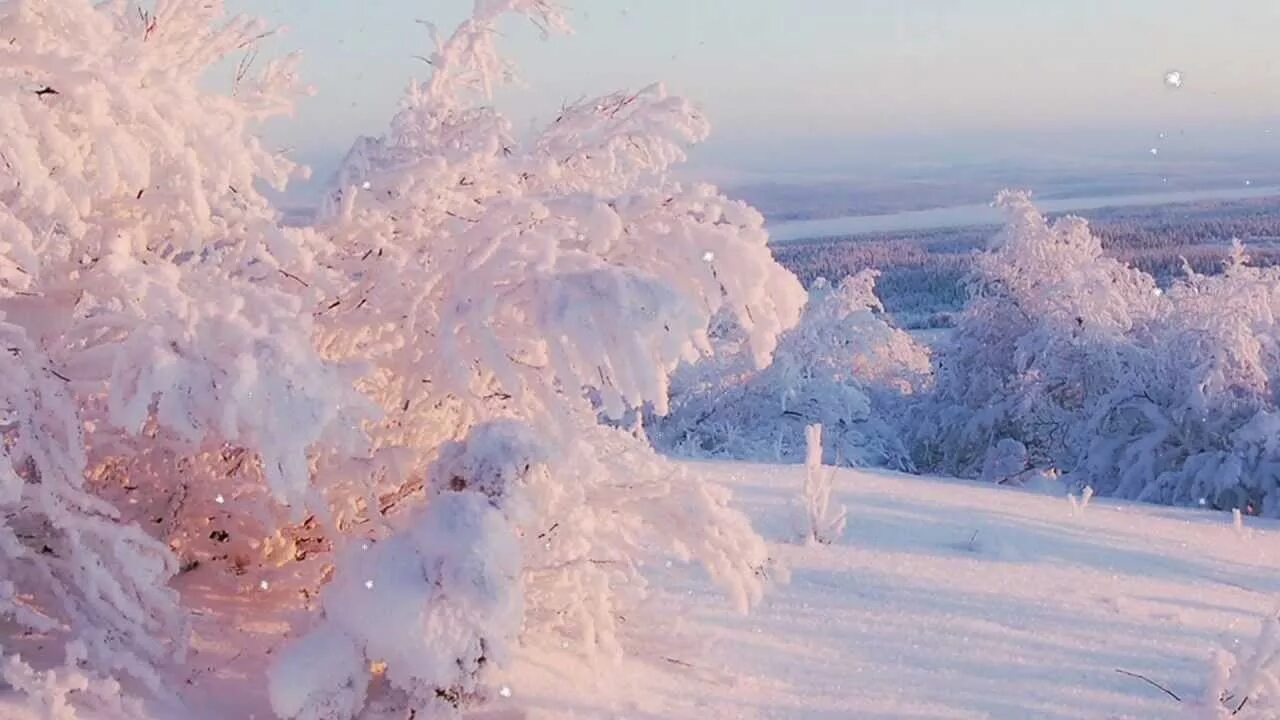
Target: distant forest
922	272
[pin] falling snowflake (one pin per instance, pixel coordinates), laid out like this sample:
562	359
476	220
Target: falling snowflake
367	185
505	691
264	585
368	584
1155	151
708	256
1173	79
220	500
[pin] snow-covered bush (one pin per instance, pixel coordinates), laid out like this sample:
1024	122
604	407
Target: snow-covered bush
1041	338
843	367
66	561
146	315
1005	460
187	383
549	280
1085	365
58	693
1196	422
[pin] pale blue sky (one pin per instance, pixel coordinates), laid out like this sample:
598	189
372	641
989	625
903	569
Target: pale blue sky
801	76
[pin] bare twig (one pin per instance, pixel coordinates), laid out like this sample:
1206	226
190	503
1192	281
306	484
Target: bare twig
1151	682
295	278
243	68
254	40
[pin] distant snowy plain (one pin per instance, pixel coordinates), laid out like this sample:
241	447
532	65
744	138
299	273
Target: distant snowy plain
977	214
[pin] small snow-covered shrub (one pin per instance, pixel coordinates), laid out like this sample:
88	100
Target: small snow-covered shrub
843	367
1006	459
1246	684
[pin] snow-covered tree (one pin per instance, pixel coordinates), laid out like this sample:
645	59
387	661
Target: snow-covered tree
1040	339
1196	421
549	280
1067	359
147	316
189	384
843	367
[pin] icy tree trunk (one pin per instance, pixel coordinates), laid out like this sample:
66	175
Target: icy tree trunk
813	449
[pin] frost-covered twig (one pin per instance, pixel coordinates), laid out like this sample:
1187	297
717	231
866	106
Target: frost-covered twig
823	522
1249	679
1078	504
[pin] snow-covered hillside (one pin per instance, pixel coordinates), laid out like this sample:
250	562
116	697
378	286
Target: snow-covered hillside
417	458
944	599
947	599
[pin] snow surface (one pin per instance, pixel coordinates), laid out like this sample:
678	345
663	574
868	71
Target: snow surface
943	599
946	599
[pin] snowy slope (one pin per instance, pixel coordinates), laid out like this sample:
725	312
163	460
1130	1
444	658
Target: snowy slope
943	600
949	600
